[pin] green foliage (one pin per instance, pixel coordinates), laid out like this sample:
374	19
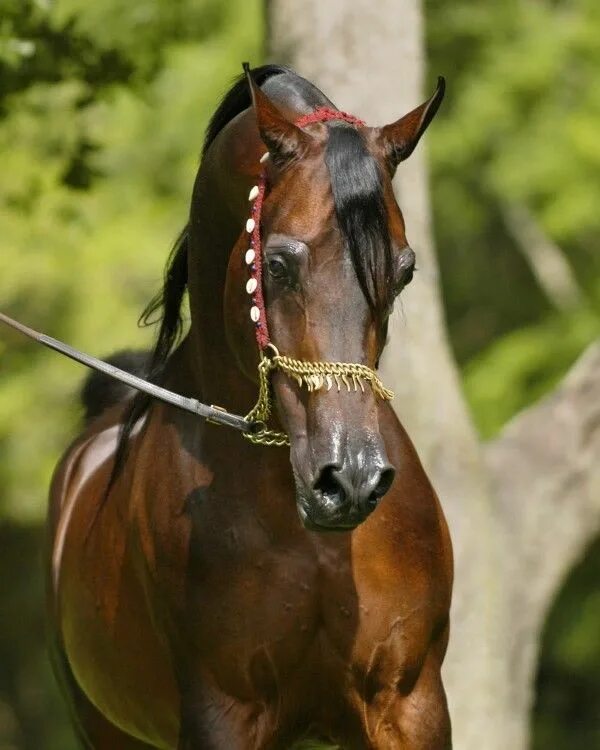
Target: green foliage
33	715
571	657
101	166
101	43
519	126
525	365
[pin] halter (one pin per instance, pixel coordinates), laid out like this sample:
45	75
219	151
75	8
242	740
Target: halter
313	375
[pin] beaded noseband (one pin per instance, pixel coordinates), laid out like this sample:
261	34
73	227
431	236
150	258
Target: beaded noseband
313	375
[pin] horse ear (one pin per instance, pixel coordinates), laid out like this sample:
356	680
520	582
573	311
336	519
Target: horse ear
284	140
401	137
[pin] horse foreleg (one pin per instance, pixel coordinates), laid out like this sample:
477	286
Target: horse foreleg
211	720
415	720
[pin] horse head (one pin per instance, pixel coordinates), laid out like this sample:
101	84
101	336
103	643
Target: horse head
334	258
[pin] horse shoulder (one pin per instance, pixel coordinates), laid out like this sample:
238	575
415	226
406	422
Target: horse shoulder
101	610
402	572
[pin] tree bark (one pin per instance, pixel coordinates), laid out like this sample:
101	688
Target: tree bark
507	503
545	475
547	261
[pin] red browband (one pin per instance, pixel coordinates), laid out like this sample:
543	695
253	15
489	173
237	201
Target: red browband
253	257
326	113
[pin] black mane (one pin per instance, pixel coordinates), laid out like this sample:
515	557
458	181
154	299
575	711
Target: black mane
167	304
237	99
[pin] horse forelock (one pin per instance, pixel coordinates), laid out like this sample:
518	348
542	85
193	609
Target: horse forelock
358	194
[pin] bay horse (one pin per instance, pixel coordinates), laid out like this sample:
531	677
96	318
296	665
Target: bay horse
208	592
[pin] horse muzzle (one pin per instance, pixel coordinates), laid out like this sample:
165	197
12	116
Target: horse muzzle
344	492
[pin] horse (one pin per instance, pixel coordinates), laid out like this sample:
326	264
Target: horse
207	592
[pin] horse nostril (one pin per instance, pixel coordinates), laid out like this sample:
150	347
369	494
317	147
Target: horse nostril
383	485
328	485
385	482
336	487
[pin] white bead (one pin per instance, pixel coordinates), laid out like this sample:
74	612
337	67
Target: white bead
253	193
250	224
250	255
251	285
254	314
264	157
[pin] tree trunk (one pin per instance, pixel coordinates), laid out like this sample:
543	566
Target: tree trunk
547	261
506	503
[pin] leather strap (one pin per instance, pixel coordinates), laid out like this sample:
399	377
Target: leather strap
215	414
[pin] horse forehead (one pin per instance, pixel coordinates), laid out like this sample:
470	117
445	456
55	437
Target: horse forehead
304	207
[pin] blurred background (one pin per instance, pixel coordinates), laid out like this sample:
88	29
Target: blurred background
102	111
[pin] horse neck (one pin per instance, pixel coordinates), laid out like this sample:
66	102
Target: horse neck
218	213
230	167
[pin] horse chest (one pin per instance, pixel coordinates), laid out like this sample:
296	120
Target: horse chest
380	629
287	612
257	602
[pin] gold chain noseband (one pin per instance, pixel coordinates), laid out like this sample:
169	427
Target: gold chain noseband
312	375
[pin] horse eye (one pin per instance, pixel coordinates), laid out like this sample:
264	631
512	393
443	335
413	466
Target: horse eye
408	276
277	269
404	269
